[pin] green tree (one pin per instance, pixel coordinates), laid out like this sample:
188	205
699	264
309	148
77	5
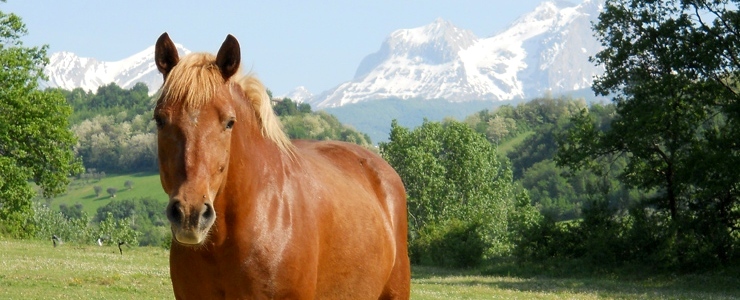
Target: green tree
35	143
304	124
117	232
72	212
50	223
112	191
144	214
671	67
452	174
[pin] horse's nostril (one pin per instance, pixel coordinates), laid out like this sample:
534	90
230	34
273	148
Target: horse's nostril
174	212
208	212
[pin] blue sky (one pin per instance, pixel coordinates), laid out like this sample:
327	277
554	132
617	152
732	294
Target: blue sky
317	44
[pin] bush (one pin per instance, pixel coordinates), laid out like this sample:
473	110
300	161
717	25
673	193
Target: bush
50	223
17	225
146	214
453	243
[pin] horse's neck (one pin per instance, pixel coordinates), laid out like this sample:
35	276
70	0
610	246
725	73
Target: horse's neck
258	171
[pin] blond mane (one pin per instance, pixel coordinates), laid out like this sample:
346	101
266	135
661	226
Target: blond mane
195	80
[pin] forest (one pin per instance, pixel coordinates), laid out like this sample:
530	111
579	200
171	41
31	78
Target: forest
648	179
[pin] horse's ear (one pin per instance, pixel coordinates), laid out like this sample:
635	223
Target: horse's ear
229	57
165	54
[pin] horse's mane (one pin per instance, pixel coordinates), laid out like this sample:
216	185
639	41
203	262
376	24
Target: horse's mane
195	80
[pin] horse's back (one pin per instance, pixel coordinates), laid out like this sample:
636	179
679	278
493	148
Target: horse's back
358	171
357	161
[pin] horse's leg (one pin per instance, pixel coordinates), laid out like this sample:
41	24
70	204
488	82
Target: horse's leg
399	282
398	285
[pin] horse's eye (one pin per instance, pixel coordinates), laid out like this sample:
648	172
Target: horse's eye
230	124
159	121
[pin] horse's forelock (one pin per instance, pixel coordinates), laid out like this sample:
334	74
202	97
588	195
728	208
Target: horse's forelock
193	81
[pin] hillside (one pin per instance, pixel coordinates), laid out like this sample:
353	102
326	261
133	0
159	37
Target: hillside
374	117
82	191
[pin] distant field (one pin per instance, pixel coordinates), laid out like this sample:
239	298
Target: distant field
82	191
36	270
510	145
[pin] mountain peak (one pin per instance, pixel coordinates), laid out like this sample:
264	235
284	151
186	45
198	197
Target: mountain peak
69	71
441	32
546	49
300	94
433	44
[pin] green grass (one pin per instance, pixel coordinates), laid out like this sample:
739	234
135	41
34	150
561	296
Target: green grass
434	283
508	146
82	191
36	270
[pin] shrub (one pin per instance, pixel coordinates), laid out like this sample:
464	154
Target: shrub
453	243
48	222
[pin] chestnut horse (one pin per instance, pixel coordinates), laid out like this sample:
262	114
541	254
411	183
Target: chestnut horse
255	215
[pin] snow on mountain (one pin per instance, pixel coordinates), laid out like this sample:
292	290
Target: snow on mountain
544	50
299	94
69	71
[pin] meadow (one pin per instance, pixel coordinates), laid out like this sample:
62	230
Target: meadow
37	270
82	190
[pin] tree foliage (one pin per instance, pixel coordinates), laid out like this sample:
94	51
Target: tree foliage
35	142
671	67
299	122
108	100
145	216
451	174
507	121
114	231
113	144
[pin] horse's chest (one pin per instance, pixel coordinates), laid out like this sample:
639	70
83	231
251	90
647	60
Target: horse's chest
265	267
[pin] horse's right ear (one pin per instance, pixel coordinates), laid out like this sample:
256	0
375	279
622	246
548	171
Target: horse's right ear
165	55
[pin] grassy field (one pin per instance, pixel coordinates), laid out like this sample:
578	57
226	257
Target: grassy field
82	191
509	145
36	270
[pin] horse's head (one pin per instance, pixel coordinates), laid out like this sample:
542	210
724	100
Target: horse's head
195	115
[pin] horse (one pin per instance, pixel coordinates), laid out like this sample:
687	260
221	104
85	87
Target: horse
255	215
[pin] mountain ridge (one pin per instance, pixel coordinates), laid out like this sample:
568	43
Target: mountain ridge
69	71
545	50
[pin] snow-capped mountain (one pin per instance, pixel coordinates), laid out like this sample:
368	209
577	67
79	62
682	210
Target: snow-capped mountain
69	71
299	94
544	50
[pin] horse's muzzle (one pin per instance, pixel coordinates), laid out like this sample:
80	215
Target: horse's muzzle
190	223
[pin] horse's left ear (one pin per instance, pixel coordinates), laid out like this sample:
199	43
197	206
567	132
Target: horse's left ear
229	57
